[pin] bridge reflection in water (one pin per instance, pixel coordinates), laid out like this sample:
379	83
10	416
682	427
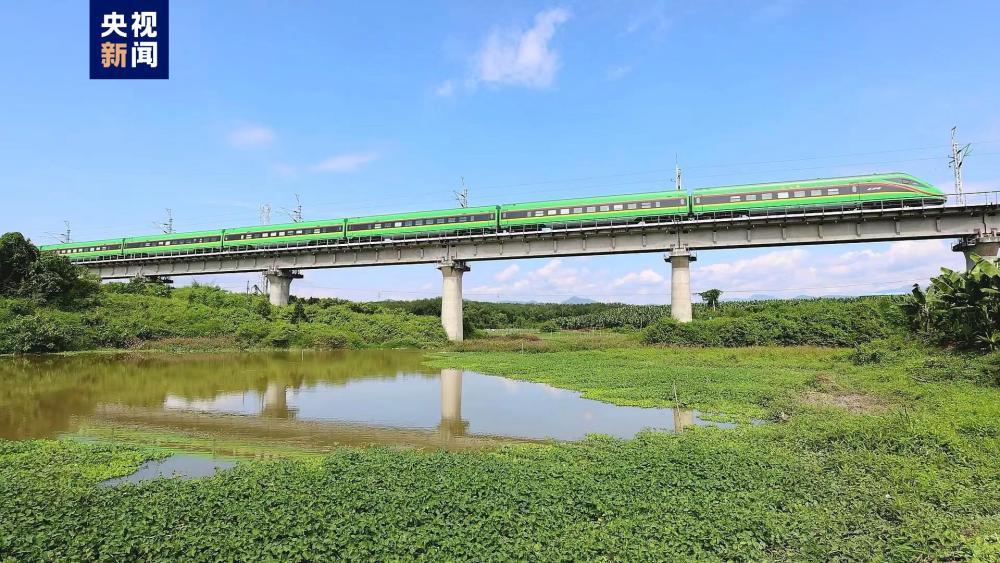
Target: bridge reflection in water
267	403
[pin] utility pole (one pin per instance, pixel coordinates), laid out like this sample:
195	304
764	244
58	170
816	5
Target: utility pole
167	226
295	214
462	195
265	214
958	155
64	237
677	174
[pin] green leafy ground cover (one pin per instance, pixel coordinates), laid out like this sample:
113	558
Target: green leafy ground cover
894	459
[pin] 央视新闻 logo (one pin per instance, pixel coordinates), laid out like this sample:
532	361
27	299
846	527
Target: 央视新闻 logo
129	39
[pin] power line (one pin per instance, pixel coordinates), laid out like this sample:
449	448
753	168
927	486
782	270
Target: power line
617	293
297	212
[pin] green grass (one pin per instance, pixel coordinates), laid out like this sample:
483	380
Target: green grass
911	475
741	382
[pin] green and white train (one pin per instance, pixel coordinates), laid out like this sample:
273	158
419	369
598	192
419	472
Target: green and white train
879	190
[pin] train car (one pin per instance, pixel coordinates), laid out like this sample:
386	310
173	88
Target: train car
302	233
92	250
849	191
538	214
174	243
439	221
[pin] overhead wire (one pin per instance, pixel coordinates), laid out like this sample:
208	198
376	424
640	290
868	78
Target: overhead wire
488	189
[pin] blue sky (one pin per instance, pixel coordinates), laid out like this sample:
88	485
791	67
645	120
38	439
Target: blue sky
384	106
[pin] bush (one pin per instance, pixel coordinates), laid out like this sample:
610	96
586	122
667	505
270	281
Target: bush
39	333
548	326
824	325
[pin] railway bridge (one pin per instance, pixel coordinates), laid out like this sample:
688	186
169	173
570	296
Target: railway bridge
972	220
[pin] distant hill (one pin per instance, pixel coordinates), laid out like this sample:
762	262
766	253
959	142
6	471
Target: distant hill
578	301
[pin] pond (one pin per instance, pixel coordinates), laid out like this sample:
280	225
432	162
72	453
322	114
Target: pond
262	404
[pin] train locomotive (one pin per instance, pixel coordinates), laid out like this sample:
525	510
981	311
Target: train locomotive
879	190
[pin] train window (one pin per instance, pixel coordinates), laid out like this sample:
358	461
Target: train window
833	191
800	193
408	223
577	210
815	192
539	213
591	208
782	195
854	189
766	196
646	205
397	224
315	231
751	197
633	205
550	212
619	207
734	198
657	203
605	208
298	232
564	211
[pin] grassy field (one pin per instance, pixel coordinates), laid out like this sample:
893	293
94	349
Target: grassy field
895	461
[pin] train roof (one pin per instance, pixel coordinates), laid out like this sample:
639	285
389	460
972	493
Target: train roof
813	182
594	199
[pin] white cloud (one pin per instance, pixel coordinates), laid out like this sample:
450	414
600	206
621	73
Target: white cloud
522	58
655	16
345	162
251	137
617	72
645	277
507	273
798	271
446	89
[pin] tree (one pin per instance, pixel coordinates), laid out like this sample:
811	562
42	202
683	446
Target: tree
918	309
55	279
45	277
962	308
17	255
298	314
711	297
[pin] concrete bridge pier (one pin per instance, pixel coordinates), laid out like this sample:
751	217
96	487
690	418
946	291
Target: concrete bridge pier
451	298
986	246
275	401
451	424
279	285
680	283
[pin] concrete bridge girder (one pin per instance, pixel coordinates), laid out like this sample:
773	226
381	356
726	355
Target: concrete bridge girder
591	241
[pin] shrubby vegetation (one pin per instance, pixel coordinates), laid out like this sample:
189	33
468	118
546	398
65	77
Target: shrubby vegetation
129	315
814	322
49	305
959	308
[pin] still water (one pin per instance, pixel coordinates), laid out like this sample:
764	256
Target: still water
267	403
